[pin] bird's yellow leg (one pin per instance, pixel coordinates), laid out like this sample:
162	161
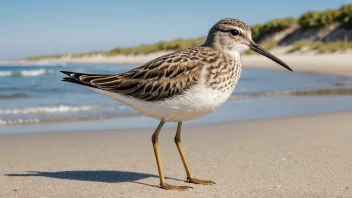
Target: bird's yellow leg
190	178
163	183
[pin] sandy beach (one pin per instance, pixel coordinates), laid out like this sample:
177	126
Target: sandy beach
304	156
308	156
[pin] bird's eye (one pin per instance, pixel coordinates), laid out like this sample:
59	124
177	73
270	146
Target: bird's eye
234	32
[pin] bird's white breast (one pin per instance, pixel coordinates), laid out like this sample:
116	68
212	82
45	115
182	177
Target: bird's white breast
194	103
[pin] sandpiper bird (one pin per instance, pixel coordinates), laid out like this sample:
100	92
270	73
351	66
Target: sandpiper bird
182	85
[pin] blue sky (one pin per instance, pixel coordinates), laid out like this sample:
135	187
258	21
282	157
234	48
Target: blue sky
38	27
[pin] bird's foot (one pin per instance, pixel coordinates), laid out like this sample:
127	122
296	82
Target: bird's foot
199	181
171	187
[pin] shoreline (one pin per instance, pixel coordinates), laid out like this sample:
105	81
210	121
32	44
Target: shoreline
337	63
151	128
260	158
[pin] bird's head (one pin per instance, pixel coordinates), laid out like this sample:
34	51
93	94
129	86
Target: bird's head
235	37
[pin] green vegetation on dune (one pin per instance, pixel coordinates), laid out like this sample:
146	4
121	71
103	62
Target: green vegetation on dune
313	19
36	58
345	16
174	45
260	32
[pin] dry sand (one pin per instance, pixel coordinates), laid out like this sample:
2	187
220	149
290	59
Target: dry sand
309	156
337	64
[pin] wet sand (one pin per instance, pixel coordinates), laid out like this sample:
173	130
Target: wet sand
308	156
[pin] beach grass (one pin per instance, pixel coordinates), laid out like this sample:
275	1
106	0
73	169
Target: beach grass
321	47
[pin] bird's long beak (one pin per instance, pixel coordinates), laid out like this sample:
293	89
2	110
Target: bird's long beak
253	46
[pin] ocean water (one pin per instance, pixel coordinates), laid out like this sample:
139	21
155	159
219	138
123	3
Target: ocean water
33	98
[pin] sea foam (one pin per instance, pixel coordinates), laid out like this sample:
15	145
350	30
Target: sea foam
37	72
5	73
49	109
33	72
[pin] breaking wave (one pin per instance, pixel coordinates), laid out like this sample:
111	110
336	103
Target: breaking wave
49	110
5	73
26	72
62	114
19	121
23	121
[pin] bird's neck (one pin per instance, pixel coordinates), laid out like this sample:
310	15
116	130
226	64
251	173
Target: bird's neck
232	50
213	41
233	53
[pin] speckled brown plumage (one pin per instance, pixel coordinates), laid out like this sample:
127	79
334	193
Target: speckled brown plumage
234	22
224	73
162	78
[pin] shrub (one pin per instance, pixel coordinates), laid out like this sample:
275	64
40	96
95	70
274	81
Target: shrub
310	20
345	16
278	24
256	31
328	17
259	31
314	19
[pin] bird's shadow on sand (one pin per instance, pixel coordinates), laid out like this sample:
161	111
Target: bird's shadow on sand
108	176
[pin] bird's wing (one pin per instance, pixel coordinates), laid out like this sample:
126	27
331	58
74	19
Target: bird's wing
159	79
